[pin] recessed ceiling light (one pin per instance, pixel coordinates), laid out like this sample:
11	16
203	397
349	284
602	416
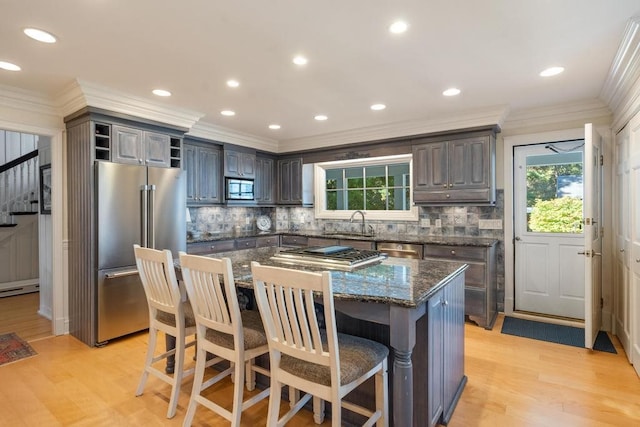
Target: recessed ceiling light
9	66
233	83
300	60
228	113
452	91
39	35
274	127
377	107
321	117
551	71
398	27
161	92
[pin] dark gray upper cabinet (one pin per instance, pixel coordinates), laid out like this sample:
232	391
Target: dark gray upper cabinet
138	147
457	170
264	188
289	173
202	165
239	163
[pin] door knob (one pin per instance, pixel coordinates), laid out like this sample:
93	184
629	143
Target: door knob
518	239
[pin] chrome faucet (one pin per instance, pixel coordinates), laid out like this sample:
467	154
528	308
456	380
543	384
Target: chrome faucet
362	214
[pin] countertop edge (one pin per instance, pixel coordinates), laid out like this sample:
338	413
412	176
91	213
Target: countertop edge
393	238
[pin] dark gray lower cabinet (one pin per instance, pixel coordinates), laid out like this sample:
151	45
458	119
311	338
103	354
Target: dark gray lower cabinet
480	278
446	378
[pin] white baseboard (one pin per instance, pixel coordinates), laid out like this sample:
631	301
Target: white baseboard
19	287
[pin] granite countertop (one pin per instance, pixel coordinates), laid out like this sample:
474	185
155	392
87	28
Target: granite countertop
382	237
396	281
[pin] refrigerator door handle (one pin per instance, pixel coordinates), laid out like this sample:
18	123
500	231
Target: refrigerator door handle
151	216
121	274
144	220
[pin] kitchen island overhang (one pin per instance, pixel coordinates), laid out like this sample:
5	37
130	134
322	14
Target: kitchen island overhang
398	302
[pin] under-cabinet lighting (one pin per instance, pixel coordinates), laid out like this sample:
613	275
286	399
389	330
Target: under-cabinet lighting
228	113
274	127
321	117
378	107
233	83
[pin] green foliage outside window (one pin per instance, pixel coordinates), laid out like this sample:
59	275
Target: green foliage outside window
550	214
542	181
562	215
375	187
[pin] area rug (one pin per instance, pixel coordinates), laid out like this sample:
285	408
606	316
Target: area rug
560	334
14	348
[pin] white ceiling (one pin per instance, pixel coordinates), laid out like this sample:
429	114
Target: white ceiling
492	50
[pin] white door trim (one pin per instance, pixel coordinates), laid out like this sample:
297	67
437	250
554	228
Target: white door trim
508	143
59	306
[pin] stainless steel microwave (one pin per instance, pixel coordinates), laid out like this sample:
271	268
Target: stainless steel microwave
239	189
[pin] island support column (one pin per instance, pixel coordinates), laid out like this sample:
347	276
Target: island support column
403	340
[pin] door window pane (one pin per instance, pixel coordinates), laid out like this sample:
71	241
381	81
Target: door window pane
554	192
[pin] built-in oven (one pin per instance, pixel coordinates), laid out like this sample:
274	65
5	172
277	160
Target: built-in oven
239	189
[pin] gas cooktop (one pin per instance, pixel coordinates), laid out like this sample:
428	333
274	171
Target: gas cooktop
340	257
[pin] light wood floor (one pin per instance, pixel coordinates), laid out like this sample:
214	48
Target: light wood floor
512	382
19	314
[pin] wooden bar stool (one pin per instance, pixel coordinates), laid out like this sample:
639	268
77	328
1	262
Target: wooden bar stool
225	332
169	313
321	363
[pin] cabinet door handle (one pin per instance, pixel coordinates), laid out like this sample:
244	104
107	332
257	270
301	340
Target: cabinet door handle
453	252
622	250
445	185
637	259
450	185
448	196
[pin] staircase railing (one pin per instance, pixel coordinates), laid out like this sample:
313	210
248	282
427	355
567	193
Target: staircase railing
19	186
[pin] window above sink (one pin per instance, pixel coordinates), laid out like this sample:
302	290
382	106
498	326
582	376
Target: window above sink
378	186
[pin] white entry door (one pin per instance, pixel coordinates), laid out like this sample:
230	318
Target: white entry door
548	193
634	304
592	234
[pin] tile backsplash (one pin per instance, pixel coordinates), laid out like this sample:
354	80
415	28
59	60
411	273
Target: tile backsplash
455	221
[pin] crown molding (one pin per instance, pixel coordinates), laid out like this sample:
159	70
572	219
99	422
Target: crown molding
620	89
466	119
20	101
578	111
80	94
221	134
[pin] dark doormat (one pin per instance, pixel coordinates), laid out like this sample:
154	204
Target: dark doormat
560	334
14	348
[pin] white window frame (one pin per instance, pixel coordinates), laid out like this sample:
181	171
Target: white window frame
394	215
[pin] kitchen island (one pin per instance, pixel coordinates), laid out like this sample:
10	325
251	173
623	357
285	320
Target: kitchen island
415	307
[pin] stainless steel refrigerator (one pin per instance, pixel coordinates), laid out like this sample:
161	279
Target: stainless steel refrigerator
135	204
